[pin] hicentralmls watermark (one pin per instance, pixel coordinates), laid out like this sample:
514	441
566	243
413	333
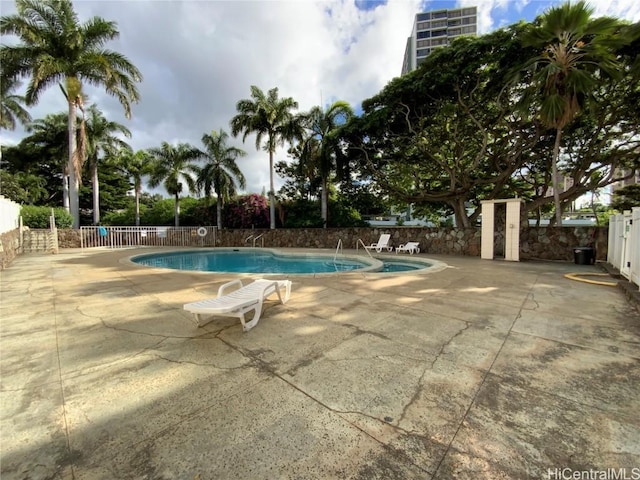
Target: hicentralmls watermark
593	474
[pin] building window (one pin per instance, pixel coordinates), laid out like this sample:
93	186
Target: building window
468	30
439	24
441	14
422	53
454	31
423	16
439	41
423	25
423	43
425	34
468	21
454	13
439	33
468	11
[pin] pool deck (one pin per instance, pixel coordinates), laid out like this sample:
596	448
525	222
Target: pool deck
484	370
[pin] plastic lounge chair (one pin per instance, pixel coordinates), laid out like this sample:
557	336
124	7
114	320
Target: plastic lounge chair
381	244
239	302
411	247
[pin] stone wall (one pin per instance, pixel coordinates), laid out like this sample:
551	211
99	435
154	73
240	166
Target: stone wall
10	243
557	243
68	238
546	243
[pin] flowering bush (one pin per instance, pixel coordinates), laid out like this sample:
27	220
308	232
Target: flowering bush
247	211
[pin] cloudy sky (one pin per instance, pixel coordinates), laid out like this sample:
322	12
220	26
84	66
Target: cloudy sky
199	57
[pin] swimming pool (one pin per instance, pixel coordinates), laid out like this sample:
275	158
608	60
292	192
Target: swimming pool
268	261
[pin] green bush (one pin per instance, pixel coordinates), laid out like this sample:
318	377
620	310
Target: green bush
126	217
38	217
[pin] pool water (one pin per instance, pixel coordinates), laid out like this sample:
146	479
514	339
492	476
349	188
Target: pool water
253	261
390	266
247	260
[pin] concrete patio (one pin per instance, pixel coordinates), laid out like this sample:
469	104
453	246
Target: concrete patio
485	370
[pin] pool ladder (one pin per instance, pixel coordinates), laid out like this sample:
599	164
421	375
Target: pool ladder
360	242
255	239
338	249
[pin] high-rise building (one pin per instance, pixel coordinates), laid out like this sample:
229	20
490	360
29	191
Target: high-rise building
435	29
633	178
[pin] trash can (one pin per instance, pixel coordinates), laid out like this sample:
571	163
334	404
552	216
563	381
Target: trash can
584	256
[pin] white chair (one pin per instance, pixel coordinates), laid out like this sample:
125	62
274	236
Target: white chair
239	302
411	247
381	244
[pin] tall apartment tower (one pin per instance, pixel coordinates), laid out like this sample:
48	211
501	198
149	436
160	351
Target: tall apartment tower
434	29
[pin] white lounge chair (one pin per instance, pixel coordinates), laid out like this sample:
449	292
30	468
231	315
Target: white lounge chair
381	244
411	247
239	302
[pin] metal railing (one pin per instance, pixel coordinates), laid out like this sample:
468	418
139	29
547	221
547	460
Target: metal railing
360	242
338	249
122	237
255	239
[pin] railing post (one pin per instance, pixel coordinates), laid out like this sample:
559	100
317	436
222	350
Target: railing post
53	233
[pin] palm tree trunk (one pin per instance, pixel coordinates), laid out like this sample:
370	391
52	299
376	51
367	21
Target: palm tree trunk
177	210
219	211
65	188
74	207
137	195
323	202
96	191
555	179
272	195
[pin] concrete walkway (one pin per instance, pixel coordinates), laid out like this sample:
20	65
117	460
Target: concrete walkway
486	370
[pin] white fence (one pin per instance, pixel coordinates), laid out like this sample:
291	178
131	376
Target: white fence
121	237
624	244
9	215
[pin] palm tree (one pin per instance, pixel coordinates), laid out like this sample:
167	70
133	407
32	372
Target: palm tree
172	166
11	108
577	53
323	125
101	141
270	116
135	166
51	133
220	172
55	47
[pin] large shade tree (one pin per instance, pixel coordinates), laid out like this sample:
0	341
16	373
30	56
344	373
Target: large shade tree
220	172
576	53
56	48
175	168
323	125
271	118
443	135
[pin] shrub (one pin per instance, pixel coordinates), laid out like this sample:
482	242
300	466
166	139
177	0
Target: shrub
247	211
38	217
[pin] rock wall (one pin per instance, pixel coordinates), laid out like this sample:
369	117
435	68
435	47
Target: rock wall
557	243
68	238
9	247
545	243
